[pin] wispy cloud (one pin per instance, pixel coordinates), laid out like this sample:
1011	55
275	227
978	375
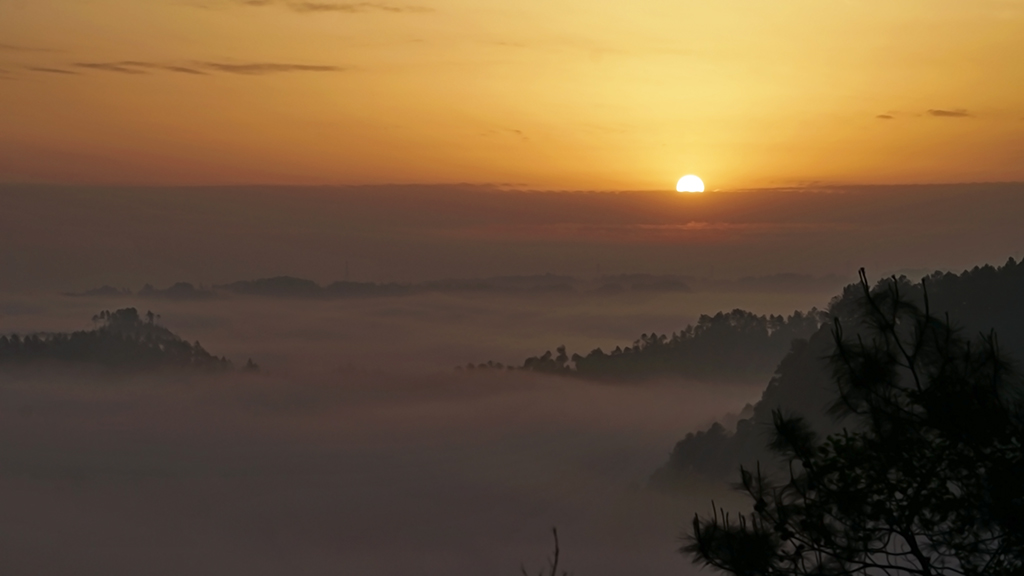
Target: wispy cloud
492	132
137	67
956	113
884	117
180	70
109	67
339	7
50	70
354	8
261	68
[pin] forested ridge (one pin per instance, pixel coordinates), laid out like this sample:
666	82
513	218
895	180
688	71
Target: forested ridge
121	339
736	345
977	301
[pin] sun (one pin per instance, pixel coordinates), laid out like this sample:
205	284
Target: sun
690	183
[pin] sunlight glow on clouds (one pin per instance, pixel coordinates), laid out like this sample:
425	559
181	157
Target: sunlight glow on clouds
558	94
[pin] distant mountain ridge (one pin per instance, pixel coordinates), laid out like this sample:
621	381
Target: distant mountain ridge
293	287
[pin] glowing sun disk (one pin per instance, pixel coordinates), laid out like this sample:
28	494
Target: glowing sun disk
690	183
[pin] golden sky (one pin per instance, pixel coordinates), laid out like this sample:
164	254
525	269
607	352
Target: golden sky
553	94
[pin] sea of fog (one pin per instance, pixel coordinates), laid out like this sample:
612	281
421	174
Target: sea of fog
357	449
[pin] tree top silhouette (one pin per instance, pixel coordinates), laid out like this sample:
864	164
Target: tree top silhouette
925	480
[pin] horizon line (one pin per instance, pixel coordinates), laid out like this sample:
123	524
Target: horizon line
510	188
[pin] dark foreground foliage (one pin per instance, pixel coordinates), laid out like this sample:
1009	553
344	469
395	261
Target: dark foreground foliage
122	339
977	300
926	479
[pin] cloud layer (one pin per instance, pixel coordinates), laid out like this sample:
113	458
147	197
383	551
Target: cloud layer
48	70
956	113
933	112
320	462
136	68
340	7
259	68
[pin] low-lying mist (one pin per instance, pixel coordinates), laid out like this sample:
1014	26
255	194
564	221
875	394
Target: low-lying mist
357	474
426	332
358	449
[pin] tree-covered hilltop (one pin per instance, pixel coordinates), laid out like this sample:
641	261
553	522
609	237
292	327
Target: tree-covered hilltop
728	345
121	339
923	480
977	301
737	345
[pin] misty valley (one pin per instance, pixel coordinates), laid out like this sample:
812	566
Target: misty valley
511	288
317	430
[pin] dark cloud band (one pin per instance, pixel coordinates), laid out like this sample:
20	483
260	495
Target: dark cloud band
339	7
957	113
46	70
261	68
354	8
118	67
136	67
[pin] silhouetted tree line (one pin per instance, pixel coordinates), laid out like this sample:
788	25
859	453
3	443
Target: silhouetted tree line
977	301
735	345
926	477
121	339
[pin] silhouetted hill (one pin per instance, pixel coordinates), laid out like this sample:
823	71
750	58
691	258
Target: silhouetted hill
179	291
345	289
734	346
979	300
292	287
279	287
121	340
102	291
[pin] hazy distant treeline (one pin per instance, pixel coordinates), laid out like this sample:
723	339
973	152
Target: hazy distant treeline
122	339
291	287
980	300
735	345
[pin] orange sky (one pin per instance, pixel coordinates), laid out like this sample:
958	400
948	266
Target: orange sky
572	94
